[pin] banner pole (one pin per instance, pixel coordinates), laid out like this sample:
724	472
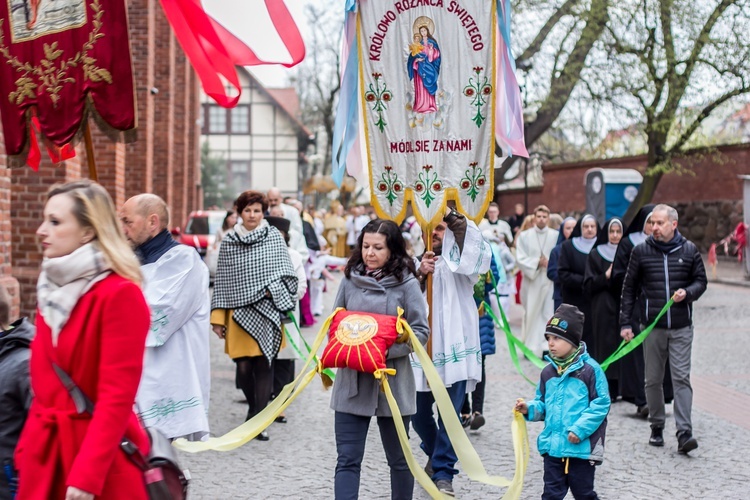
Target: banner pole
90	151
427	234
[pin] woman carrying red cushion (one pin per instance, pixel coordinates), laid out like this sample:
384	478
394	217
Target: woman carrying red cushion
379	278
92	322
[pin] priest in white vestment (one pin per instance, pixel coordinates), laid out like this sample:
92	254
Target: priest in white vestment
460	255
532	255
174	392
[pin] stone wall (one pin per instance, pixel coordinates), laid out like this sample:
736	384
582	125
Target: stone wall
707	222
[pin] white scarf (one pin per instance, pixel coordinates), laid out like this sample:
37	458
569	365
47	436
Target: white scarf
584	245
242	231
64	280
638	238
607	251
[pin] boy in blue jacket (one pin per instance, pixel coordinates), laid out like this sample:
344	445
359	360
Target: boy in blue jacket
573	400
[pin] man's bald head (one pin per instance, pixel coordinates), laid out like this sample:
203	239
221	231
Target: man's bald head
143	216
151	204
274	196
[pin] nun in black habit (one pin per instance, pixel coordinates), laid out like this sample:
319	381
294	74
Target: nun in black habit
566	230
571	269
604	306
632	366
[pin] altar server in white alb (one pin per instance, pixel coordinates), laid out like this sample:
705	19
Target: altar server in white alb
174	391
459	255
532	255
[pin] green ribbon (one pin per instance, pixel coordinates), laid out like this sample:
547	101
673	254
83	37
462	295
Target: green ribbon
327	371
626	347
513	342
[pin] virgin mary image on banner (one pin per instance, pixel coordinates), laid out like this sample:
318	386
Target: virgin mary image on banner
423	65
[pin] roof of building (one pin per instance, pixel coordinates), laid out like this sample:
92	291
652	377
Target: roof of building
285	98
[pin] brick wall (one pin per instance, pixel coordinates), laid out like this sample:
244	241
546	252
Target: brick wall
28	193
713	178
164	160
179	148
140	165
6	260
164	101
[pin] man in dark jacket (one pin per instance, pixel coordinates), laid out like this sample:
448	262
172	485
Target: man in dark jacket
15	391
667	265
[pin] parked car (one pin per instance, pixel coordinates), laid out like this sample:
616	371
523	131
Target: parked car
201	228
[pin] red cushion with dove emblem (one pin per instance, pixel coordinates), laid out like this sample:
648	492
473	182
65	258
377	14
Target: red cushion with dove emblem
359	341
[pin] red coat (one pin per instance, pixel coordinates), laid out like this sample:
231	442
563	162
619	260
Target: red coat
101	347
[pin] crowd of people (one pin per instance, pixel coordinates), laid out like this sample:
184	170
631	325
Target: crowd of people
124	315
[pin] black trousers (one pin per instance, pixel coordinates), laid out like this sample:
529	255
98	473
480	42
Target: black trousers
579	478
283	374
351	435
255	378
477	397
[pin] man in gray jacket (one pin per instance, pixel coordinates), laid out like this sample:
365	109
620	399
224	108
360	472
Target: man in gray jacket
15	390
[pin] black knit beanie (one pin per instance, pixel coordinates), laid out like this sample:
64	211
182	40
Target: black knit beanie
567	324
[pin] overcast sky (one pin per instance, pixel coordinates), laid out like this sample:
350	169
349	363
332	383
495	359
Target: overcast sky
249	21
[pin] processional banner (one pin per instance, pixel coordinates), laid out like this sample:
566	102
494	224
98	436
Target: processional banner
59	61
427	78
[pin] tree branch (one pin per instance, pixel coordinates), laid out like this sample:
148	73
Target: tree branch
562	85
678	83
704	114
536	45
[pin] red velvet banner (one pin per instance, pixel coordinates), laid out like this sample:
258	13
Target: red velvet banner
59	61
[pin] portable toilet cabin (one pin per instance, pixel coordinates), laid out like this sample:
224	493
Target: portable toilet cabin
609	191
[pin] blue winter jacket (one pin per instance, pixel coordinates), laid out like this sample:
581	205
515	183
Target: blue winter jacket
576	401
486	325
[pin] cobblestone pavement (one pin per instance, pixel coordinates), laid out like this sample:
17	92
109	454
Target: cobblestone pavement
298	461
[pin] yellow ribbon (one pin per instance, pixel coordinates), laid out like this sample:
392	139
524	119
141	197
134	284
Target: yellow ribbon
247	431
417	471
382	372
467	455
465	452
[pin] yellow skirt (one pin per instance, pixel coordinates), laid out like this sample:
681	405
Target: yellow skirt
238	343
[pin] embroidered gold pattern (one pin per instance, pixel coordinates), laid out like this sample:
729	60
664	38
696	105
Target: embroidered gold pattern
48	76
356	329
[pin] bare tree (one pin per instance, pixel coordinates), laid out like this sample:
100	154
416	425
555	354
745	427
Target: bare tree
555	55
669	64
317	79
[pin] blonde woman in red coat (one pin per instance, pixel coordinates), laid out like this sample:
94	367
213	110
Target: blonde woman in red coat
91	321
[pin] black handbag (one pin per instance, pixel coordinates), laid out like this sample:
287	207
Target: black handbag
164	478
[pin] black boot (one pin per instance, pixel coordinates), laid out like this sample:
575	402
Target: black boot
686	442
657	436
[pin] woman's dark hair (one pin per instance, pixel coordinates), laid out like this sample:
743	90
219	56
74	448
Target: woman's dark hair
399	262
225	223
250	198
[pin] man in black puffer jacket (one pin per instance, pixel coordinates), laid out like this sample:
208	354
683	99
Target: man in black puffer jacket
665	266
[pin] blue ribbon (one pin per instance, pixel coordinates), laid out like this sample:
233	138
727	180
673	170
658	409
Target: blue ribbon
503	21
346	125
